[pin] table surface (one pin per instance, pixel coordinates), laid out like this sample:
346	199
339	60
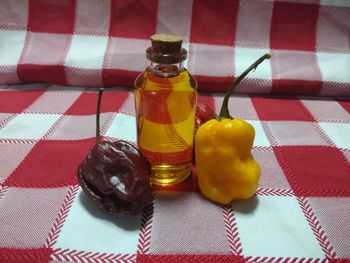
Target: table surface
300	213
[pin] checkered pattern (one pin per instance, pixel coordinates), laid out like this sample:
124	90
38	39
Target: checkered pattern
300	213
103	42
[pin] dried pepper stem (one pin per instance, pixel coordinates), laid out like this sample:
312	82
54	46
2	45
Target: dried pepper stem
98	110
224	112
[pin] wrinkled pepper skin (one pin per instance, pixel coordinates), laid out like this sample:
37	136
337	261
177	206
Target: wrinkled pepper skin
115	176
225	166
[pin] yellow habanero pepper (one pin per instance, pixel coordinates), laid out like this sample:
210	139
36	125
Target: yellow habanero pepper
225	167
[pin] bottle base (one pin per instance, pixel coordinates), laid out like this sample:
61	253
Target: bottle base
165	174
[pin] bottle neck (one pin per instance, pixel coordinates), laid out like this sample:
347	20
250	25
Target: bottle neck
166	70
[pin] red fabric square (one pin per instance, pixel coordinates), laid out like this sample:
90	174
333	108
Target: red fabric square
17	101
13	255
86	103
281	109
134	19
293	26
116	77
213	84
42	73
290	86
214	23
315	170
49	165
206	99
51	16
335	89
345	105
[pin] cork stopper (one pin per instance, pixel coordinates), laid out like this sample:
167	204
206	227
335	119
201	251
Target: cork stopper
166	49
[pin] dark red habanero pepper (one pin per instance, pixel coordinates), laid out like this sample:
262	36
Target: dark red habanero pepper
115	175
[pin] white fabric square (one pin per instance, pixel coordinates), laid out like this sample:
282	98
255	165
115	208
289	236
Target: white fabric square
275	226
260	136
27	214
123	127
332	213
239	107
289	133
11	46
83	77
14	14
53	102
4	116
8	74
86	52
187	223
128	106
128	54
186	45
326	110
244	57
301	1
334	66
272	175
253	23
347	155
44	48
294	65
28	126
12	154
86	20
332	33
167	22
339	133
211	60
88	229
336	3
77	127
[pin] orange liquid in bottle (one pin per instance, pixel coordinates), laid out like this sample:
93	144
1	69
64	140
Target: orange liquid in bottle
165	114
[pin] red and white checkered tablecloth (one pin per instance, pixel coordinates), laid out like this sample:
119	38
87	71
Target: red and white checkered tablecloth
103	42
301	212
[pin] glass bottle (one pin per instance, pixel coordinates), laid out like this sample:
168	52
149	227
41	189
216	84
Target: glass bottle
165	102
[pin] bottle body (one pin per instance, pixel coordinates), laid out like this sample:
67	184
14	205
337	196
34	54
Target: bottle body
165	103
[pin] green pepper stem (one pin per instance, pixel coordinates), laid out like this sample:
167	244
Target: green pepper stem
98	110
224	112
